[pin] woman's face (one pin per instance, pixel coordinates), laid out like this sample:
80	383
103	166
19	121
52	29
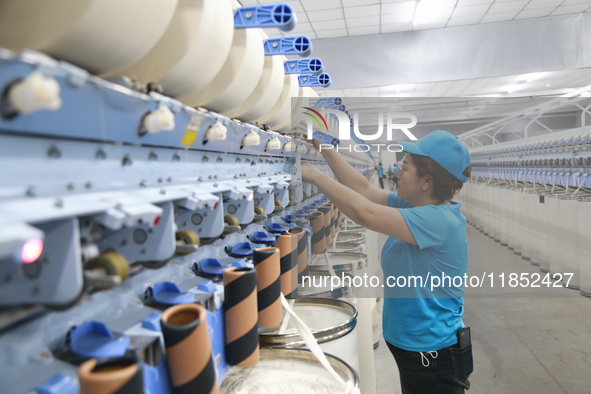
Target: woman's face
410	186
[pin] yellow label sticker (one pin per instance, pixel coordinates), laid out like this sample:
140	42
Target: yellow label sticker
189	138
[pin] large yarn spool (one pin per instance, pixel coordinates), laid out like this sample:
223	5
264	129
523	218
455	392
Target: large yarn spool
198	38
281	109
241	315
117	375
101	36
238	76
188	349
266	92
268	272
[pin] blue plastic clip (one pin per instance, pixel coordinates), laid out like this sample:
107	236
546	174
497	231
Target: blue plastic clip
59	384
301	213
152	322
277	228
93	339
211	266
294	219
311	65
241	249
207	286
168	293
326	138
239	263
294	45
279	15
315	80
261	236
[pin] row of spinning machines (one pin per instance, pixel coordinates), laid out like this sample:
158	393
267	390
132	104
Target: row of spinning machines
533	197
147	156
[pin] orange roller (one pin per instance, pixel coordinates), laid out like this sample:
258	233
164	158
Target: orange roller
268	270
241	316
188	349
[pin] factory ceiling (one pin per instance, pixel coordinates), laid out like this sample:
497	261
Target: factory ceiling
489	59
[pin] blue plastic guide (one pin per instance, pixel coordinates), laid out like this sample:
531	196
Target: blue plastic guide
322	80
311	65
326	138
279	15
294	45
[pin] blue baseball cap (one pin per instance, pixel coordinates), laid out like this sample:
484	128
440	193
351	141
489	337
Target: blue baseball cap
443	147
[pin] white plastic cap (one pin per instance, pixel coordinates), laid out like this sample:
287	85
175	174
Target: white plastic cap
34	93
301	149
274	144
252	139
160	120
217	132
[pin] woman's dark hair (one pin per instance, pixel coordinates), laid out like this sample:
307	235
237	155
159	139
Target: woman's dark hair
445	185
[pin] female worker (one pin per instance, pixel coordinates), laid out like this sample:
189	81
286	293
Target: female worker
427	238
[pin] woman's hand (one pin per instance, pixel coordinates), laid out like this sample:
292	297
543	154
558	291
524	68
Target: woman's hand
315	143
310	173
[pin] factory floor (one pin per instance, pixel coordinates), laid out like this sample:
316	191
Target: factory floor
525	340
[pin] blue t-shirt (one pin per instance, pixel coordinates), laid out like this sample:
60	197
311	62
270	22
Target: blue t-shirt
380	172
417	318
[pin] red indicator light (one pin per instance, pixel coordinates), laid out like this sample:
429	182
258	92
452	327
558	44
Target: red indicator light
157	220
216	205
32	250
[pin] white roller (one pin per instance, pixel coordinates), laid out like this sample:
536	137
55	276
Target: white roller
266	92
545	235
102	36
554	257
518	222
494	211
503	217
510	218
532	200
281	108
568	234
192	50
238	77
584	243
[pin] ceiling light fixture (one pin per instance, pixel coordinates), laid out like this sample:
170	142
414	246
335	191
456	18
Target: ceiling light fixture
427	11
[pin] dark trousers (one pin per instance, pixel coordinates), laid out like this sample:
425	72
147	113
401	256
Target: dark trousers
381	182
446	374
